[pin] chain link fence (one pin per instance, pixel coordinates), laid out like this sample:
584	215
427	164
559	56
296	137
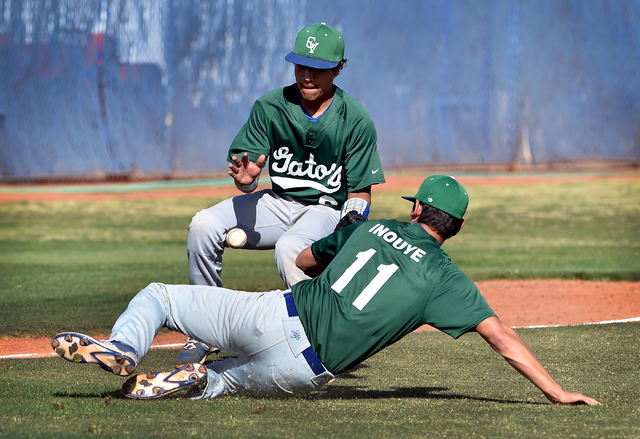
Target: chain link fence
99	89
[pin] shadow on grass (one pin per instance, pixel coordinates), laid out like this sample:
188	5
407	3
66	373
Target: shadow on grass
351	392
359	392
334	392
115	394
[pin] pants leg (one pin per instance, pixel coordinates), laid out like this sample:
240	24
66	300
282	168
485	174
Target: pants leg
270	221
252	325
258	214
311	223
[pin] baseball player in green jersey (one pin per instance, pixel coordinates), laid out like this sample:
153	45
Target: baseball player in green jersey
373	283
322	155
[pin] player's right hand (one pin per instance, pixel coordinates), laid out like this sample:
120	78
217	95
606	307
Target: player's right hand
573	398
244	171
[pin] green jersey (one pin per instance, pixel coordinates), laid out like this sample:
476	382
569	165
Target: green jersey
386	279
314	163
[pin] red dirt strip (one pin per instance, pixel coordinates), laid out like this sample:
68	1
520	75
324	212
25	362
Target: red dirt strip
518	303
394	182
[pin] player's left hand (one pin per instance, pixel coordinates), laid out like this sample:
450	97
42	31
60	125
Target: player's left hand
244	171
351	217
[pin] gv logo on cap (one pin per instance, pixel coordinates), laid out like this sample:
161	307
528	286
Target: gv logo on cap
311	44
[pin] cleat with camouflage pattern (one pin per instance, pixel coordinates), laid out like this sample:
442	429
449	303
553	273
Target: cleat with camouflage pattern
112	356
188	381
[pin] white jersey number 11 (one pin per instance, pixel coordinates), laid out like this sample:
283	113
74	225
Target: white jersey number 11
384	273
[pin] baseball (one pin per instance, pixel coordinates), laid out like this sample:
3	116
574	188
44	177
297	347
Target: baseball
236	238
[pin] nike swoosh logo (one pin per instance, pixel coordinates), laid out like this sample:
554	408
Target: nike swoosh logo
373	172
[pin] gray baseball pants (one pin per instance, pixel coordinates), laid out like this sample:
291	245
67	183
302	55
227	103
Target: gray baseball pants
270	221
257	327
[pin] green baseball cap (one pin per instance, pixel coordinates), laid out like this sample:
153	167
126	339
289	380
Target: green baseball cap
444	193
318	46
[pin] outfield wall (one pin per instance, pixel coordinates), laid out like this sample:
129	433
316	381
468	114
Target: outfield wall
97	89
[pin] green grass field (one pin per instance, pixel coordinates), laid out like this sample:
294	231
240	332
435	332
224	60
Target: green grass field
75	265
427	385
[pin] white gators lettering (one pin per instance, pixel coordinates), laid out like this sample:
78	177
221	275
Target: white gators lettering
282	162
397	243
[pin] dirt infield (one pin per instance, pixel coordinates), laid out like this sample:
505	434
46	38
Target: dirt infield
112	191
518	303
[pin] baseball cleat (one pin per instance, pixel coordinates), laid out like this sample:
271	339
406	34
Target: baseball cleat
188	381
193	351
115	357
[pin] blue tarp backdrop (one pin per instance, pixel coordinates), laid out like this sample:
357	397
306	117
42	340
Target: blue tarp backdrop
92	88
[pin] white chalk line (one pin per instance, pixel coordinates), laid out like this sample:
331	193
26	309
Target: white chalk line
26	355
51	354
177	345
606	322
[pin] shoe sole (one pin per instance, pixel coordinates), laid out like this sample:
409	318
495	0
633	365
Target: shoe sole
190	359
188	381
80	348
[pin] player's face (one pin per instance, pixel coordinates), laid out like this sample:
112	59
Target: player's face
315	84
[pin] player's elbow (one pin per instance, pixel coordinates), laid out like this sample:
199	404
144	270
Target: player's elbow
304	258
309	264
496	333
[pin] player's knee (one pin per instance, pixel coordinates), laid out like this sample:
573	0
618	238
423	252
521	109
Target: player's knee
206	224
288	248
200	222
156	288
155	292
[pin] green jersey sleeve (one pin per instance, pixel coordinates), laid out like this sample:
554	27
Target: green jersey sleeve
456	306
253	137
328	247
362	160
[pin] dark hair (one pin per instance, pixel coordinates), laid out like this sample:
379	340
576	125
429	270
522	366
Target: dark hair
445	224
341	64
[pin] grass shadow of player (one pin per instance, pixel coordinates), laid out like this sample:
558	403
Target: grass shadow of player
330	392
436	393
337	391
107	396
334	391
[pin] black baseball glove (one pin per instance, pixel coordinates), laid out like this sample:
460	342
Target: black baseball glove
351	217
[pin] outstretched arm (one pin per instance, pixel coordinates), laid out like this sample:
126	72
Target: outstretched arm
505	341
